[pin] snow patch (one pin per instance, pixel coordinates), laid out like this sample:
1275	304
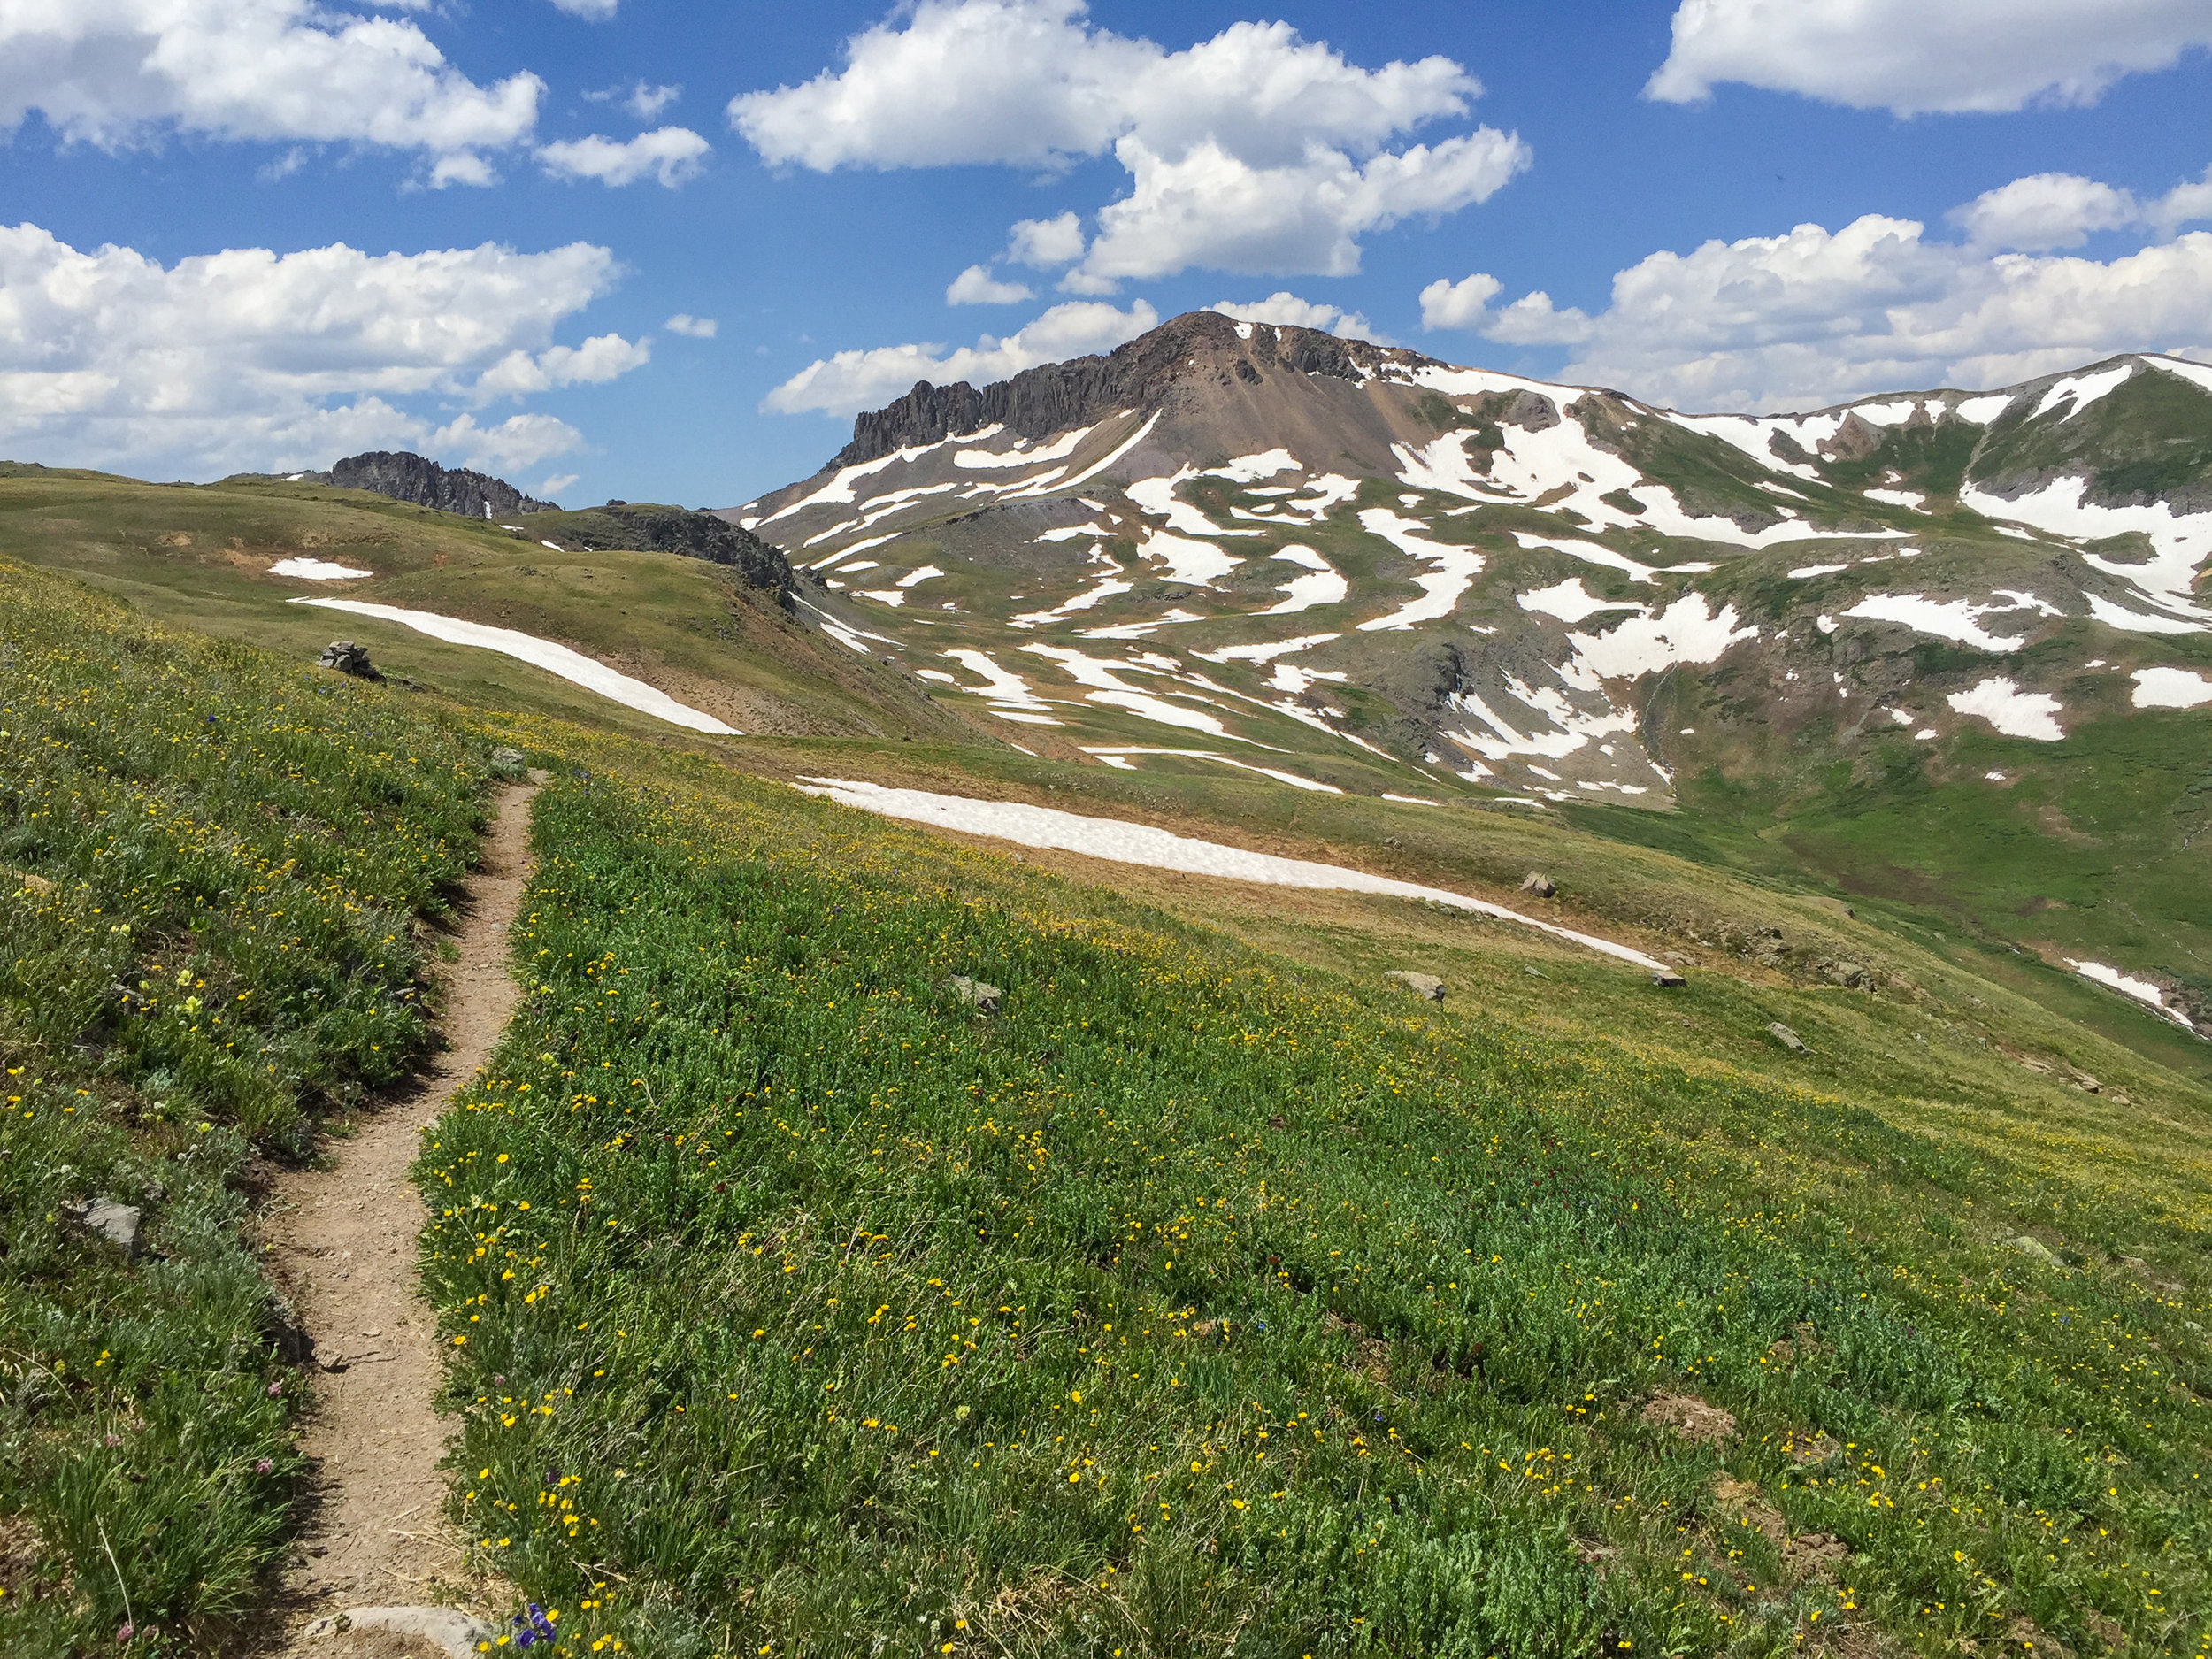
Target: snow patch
1059	450
2171	688
1957	619
1570	600
574	666
1456	568
2127	984
311	570
2135	622
1687	631
1249	469
1120	842
2012	712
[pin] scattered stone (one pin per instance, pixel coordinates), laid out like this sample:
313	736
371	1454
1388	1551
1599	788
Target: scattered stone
287	1334
1810	1448
1426	984
116	1222
1690	1418
1815	1554
329	1356
448	1631
1666	978
508	764
345	657
983	998
2036	1250
1787	1038
1539	884
1851	975
34	884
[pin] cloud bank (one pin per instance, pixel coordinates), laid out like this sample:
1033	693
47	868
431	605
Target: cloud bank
1814	315
1912	58
248	360
1256	151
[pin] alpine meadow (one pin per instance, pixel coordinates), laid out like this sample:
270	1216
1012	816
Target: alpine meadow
761	899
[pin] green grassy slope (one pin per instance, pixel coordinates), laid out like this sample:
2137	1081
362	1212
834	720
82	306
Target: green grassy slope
776	1281
1190	1302
216	875
199	557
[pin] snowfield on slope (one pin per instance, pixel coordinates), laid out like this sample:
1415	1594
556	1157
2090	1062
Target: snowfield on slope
2127	984
1126	844
314	570
574	666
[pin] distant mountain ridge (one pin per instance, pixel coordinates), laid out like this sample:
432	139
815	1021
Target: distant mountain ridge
408	477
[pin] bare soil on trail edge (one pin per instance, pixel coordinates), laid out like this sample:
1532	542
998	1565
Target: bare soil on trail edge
343	1249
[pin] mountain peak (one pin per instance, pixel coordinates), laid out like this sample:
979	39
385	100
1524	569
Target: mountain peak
1192	351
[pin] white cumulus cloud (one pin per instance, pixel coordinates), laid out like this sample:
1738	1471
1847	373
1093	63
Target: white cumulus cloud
1913	58
854	380
249	360
521	374
596	10
976	286
673	155
515	443
1815	317
694	328
1255	151
1530	320
1285	310
1046	243
121	72
642	100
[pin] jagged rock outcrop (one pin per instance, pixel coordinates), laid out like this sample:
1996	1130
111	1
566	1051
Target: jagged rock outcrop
412	478
701	535
1056	397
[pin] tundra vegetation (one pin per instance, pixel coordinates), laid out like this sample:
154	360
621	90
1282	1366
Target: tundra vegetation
1207	1295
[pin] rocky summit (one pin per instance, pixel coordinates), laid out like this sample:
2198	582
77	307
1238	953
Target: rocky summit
410	478
1349	565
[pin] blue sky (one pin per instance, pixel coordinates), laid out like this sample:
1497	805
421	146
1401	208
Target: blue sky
508	296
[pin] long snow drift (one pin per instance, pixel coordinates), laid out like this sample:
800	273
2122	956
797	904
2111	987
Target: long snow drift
574	666
1127	843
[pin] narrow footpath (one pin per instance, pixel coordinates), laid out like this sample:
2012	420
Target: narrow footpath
343	1243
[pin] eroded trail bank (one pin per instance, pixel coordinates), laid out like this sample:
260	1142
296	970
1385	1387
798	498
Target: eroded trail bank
343	1249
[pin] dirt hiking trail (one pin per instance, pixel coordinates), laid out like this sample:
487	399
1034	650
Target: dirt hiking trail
343	1243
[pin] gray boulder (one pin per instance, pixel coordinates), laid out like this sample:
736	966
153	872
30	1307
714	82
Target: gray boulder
105	1218
1536	882
1667	979
345	657
1787	1038
2035	1249
1423	985
984	999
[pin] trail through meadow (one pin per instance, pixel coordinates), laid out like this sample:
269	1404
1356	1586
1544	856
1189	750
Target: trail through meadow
343	1249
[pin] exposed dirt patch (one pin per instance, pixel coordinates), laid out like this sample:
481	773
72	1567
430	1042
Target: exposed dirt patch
1690	1418
1743	1504
343	1250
